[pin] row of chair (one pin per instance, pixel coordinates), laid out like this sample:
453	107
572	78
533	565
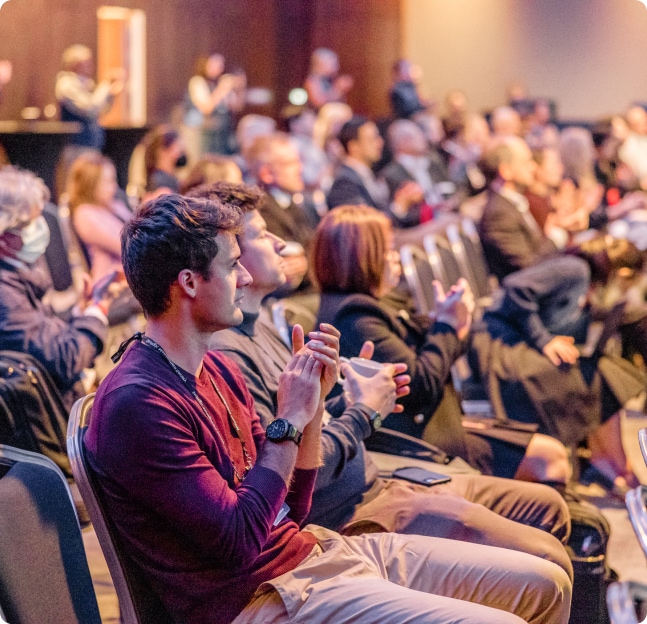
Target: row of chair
446	256
627	601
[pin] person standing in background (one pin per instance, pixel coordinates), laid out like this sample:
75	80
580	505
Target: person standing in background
81	99
213	98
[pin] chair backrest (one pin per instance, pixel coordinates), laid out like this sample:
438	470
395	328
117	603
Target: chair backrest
623	600
439	253
635	502
44	574
460	255
137	601
474	252
642	441
286	314
419	275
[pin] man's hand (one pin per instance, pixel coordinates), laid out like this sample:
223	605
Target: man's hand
379	392
561	349
299	390
295	268
325	346
455	307
408	194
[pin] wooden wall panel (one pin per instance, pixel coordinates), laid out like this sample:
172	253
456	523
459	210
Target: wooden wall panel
270	39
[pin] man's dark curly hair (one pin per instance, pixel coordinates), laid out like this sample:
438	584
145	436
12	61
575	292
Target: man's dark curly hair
247	198
167	235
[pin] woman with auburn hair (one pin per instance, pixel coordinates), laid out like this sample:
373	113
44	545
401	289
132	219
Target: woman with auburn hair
164	153
97	215
356	267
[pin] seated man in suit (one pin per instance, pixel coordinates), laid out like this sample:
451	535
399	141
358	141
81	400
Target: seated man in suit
289	212
349	495
511	237
356	183
415	161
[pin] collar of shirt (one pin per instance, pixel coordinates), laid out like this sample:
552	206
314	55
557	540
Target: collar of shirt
519	201
282	198
416	165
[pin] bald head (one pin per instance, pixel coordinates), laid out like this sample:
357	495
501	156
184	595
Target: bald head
406	137
637	120
510	160
506	121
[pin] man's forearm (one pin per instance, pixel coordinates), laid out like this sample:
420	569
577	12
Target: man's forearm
309	456
279	457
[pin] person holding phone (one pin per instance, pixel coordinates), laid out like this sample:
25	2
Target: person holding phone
27	324
356	298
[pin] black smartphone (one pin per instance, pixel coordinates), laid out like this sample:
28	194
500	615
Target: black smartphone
421	476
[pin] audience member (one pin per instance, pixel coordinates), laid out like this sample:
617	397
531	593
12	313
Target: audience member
250	128
324	84
354	290
541	131
213	99
212	169
355	182
164	154
97	215
317	172
633	151
404	95
348	496
465	149
195	487
549	174
455	111
414	161
276	165
83	101
575	393
510	236
505	122
28	325
330	119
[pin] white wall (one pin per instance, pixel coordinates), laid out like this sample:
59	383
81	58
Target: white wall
589	55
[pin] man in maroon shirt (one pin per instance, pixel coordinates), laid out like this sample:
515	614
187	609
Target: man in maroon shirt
198	491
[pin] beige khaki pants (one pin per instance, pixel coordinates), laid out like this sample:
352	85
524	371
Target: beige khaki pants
387	578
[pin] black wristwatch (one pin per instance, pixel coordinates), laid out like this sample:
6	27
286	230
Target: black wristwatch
375	418
280	430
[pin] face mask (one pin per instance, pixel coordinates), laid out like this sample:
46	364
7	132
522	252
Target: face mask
181	161
35	238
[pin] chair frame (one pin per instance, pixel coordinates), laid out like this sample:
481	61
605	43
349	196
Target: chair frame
79	417
635	502
620	601
412	278
642	441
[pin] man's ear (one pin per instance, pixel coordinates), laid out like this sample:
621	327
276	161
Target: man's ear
186	279
265	175
505	171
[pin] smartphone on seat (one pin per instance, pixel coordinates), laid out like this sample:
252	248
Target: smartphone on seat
420	476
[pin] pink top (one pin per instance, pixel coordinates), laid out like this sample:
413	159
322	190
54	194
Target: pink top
100	231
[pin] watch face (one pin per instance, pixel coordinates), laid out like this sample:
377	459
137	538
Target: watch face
376	421
277	429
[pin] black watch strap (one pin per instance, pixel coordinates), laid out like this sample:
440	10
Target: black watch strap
280	430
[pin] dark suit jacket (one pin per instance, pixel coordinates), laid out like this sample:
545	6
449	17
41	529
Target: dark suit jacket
348	189
395	175
291	223
509	243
